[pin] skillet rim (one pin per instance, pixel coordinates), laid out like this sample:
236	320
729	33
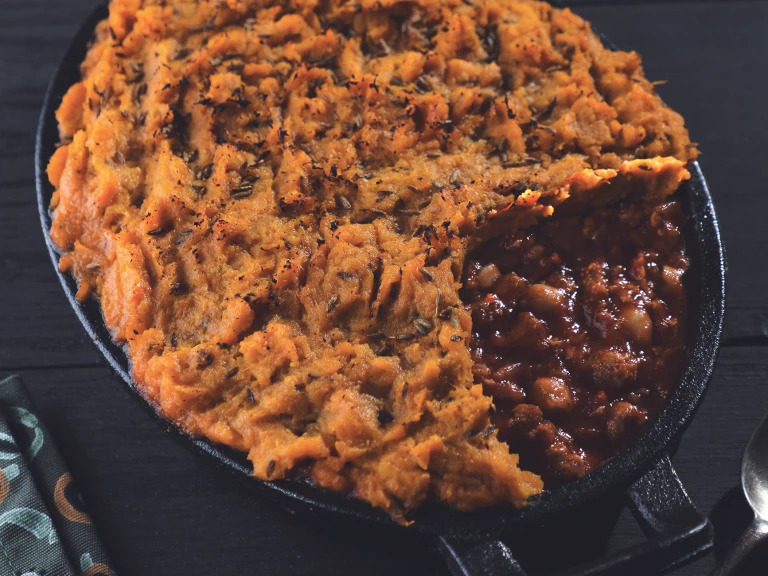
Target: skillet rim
432	519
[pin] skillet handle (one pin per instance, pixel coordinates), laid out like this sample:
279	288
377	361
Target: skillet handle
489	558
677	533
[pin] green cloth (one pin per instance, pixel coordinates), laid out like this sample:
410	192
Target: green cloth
44	529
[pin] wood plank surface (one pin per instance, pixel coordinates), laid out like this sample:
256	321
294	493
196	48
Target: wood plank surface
162	510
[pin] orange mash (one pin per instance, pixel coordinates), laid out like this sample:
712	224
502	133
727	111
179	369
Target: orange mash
273	202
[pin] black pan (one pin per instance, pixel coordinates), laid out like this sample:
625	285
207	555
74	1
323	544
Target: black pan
469	541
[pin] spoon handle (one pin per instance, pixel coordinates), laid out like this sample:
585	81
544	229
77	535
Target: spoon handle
756	532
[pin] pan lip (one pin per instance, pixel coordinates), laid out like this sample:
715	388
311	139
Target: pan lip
626	467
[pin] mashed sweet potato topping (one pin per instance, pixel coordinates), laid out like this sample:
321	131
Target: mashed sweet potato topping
273	202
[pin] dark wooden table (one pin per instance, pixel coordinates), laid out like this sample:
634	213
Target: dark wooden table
163	510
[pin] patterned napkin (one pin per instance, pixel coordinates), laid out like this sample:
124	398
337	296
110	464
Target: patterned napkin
44	529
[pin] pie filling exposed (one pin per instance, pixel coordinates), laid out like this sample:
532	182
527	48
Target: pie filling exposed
578	330
410	250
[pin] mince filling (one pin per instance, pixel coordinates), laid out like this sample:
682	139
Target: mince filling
579	332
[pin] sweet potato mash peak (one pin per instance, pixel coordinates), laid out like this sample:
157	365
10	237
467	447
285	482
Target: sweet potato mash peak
273	202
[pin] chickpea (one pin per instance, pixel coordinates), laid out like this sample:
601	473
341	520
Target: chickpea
672	280
613	369
552	395
622	415
506	390
510	372
544	300
672	276
527	332
637	324
488	276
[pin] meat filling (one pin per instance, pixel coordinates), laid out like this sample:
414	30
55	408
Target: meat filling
578	332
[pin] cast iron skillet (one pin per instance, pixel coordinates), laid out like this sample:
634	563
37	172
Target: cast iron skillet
469	542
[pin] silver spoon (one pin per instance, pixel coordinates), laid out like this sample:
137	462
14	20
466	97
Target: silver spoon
754	482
